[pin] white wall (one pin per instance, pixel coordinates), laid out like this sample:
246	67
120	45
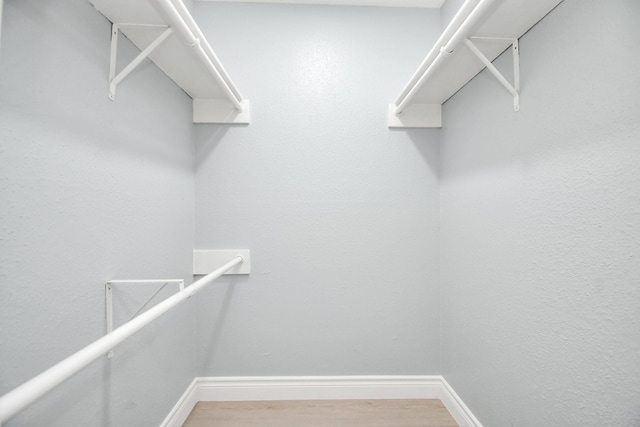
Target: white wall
541	228
340	213
91	190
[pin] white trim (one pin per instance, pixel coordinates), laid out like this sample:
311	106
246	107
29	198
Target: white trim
183	407
210	389
318	388
415	116
434	4
459	411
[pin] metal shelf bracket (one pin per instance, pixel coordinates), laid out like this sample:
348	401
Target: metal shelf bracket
115	79
515	89
108	288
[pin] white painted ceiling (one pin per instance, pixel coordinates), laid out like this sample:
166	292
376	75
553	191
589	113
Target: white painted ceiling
386	3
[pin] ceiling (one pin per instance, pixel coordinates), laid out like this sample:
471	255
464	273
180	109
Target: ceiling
386	3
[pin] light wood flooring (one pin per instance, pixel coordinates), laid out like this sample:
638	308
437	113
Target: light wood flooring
322	413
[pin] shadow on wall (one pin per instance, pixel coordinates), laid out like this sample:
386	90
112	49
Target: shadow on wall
77	36
217	318
426	142
429	147
106	406
207	139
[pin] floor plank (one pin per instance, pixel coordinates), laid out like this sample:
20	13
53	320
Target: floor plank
322	413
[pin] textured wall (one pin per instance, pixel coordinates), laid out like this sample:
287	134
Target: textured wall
340	213
541	228
91	190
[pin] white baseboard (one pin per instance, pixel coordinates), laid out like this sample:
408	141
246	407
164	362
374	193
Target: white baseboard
457	408
183	407
211	389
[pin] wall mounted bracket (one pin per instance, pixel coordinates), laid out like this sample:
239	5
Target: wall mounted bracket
205	260
515	89
185	57
115	79
108	288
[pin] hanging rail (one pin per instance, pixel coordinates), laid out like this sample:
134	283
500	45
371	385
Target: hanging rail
204	44
458	19
179	17
23	396
448	43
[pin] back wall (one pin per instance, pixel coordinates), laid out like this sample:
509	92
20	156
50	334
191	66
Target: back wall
340	213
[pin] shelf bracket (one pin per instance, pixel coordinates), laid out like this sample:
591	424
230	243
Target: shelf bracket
205	260
108	288
515	89
115	79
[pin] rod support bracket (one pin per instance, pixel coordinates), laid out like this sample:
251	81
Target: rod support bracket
115	79
109	299
515	50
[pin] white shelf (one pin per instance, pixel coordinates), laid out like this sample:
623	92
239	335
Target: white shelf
492	26
185	55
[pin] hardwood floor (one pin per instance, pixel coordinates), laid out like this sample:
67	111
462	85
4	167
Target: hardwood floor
322	413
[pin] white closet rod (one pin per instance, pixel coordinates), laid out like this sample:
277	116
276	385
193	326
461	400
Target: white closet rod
455	23
23	396
456	32
178	16
191	23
